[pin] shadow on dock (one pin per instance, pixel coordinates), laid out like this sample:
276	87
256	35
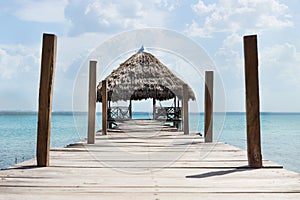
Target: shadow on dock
221	173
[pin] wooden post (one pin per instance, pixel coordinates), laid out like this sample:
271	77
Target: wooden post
104	107
175	102
45	99
153	108
208	110
185	101
92	102
252	101
130	109
175	123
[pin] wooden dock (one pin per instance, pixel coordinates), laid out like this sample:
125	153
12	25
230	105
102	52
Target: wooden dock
148	163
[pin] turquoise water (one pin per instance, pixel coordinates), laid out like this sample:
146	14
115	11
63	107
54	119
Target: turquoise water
280	134
18	135
280	137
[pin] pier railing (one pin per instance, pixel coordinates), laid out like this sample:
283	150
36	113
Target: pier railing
118	113
169	114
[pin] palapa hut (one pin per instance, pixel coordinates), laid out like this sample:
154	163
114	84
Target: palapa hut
141	77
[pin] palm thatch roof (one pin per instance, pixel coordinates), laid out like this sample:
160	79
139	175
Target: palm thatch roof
142	76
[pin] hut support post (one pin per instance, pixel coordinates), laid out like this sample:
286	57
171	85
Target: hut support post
175	124
153	108
175	102
130	109
45	99
252	102
185	109
208	112
92	102
104	107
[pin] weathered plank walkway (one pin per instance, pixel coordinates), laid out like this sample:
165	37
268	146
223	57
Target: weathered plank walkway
153	164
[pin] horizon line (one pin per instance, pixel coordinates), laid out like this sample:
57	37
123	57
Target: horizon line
216	112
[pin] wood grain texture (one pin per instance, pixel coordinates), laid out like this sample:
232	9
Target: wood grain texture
208	109
185	102
45	99
92	102
252	101
104	107
148	164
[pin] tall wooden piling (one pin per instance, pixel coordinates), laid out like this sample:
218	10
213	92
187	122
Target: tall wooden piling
130	109
104	107
252	102
185	102
92	102
45	99
208	110
153	108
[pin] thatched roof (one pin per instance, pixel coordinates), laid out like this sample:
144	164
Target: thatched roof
142	76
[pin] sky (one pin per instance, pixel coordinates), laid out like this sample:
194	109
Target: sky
218	26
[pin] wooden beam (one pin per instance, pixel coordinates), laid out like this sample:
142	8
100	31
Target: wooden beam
104	107
130	109
175	102
45	99
208	110
153	107
92	102
252	102
185	106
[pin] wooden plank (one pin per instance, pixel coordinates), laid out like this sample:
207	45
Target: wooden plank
252	101
104	107
92	102
45	99
208	110
185	101
135	165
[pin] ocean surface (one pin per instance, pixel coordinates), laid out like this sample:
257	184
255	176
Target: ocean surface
280	134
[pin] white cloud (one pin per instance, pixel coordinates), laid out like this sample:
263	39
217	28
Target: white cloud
200	8
229	56
17	59
170	5
230	61
279	62
90	22
41	11
19	73
20	67
72	50
123	15
279	77
229	20
194	30
268	21
112	16
232	41
283	62
242	17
